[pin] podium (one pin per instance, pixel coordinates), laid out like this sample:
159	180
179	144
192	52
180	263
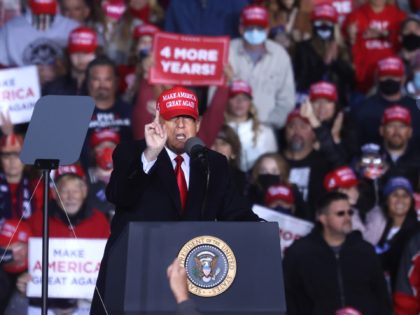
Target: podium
136	271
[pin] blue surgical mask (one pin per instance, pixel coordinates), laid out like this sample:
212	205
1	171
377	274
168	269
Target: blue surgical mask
416	80
255	36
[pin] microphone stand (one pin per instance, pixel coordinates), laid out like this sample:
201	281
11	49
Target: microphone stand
204	203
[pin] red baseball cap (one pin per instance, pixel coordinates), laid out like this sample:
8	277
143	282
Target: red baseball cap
279	192
391	66
325	12
114	9
82	40
13	231
238	87
342	177
145	29
102	135
295	114
43	6
254	15
396	113
323	89
177	101
75	169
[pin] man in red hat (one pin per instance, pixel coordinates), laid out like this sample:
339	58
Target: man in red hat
396	131
264	65
156	180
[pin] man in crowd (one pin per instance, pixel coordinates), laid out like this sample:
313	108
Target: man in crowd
332	270
156	180
403	159
265	65
307	166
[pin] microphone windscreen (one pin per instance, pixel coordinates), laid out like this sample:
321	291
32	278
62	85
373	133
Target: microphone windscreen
193	142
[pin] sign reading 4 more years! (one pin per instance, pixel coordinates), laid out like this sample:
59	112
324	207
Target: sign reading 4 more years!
19	91
72	268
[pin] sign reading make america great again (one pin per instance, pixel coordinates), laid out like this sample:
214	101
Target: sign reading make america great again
189	60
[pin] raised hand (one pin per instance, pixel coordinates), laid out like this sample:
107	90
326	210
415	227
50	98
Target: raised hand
156	136
336	128
307	111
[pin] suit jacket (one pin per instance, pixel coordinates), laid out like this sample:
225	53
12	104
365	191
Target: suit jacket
155	197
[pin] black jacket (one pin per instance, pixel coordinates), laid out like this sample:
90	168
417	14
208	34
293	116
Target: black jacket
319	282
155	197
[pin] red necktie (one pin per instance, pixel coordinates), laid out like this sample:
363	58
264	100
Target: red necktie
180	180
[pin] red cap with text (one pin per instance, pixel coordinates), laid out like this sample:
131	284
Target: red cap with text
177	101
238	87
295	114
13	231
254	15
325	12
397	113
279	192
391	66
145	29
43	7
342	177
82	40
113	9
75	169
323	89
103	135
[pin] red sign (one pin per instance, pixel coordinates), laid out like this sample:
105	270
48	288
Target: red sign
189	60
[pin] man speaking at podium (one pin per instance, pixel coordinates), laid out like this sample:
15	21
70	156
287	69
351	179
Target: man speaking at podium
157	180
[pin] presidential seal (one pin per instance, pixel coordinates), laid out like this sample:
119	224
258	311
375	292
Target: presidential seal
210	265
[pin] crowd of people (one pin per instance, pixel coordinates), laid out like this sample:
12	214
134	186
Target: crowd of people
319	119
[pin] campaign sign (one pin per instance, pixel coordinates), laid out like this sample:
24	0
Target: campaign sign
19	91
72	268
189	60
290	228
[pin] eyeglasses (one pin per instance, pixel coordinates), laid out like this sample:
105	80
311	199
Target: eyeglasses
342	213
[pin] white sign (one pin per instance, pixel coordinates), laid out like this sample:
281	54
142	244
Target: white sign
72	268
290	228
19	91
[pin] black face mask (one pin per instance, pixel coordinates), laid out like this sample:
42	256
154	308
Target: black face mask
324	31
389	87
267	180
411	42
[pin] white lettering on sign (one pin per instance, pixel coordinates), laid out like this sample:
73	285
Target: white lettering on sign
188	68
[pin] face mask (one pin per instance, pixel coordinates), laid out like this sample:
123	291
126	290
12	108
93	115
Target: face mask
411	42
255	36
296	144
389	87
324	31
267	180
104	158
416	80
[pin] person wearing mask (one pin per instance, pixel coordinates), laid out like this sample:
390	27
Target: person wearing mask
307	165
333	270
368	114
82	49
156	180
323	57
372	32
410	40
265	65
401	224
368	218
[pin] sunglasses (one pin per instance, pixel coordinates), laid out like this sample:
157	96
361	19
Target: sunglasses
342	213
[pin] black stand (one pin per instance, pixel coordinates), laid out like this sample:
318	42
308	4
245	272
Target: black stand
51	141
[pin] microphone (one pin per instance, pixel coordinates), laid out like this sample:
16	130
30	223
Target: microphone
196	149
